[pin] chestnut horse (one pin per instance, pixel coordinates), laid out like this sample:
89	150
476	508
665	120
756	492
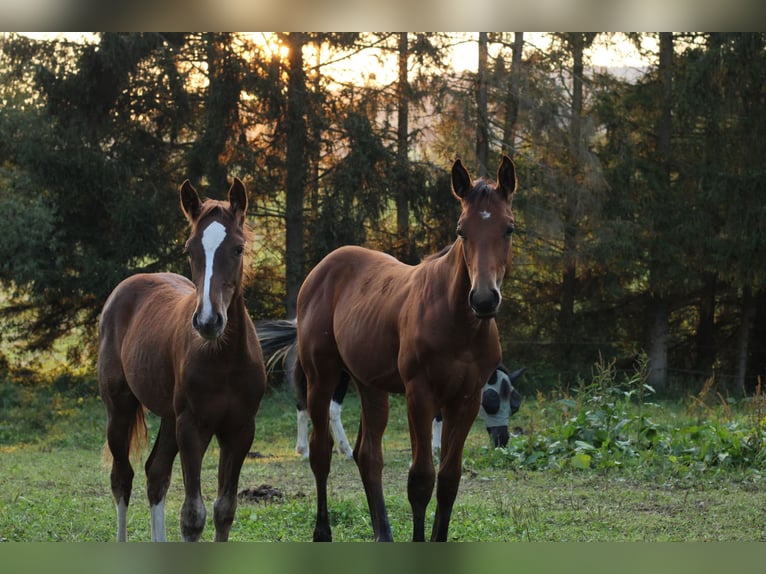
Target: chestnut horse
427	331
188	352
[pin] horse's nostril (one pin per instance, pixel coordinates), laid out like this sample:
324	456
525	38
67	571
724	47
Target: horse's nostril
484	304
211	328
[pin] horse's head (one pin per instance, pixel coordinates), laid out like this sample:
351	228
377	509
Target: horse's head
499	402
485	227
215	248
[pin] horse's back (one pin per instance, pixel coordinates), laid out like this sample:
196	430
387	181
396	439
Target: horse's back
140	295
136	330
350	279
355	294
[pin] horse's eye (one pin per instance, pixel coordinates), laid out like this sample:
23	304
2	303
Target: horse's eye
239	250
509	231
460	232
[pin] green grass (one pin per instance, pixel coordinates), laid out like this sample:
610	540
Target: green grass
687	478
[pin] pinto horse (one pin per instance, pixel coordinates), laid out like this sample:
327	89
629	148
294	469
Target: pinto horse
187	351
427	331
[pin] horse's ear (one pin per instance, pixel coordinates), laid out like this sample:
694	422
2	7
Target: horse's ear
238	199
190	202
506	177
461	180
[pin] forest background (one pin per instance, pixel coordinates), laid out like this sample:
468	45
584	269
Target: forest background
640	215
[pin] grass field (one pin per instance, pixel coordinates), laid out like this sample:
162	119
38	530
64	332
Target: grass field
56	488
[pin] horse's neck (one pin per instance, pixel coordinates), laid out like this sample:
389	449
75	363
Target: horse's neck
450	270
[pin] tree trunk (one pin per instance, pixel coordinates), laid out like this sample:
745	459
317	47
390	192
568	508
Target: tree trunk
743	341
705	334
220	114
296	171
402	153
659	313
571	204
482	129
513	97
658	343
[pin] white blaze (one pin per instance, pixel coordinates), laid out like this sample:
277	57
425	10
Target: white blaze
485	214
212	238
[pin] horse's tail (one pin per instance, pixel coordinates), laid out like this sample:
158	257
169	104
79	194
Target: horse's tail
139	439
277	338
139	434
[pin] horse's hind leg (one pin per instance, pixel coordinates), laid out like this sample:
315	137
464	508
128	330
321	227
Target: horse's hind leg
234	444
299	382
369	457
336	406
320	448
121	417
158	469
342	445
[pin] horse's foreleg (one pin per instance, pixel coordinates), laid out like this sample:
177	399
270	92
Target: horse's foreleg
158	467
234	448
192	443
369	457
458	420
421	476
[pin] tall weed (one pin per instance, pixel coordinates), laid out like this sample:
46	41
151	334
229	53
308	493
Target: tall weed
609	422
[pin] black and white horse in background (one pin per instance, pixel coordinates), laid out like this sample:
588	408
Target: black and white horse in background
499	401
499	398
277	338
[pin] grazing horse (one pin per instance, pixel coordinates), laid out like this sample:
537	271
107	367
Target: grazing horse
427	331
187	351
499	398
499	402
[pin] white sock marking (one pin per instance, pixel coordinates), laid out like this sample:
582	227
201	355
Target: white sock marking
122	521
436	437
302	443
338	433
212	238
158	521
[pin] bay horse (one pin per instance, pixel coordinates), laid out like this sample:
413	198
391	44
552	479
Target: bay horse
499	398
187	351
427	331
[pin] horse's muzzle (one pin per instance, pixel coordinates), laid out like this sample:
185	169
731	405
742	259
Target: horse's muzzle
210	329
499	436
484	304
